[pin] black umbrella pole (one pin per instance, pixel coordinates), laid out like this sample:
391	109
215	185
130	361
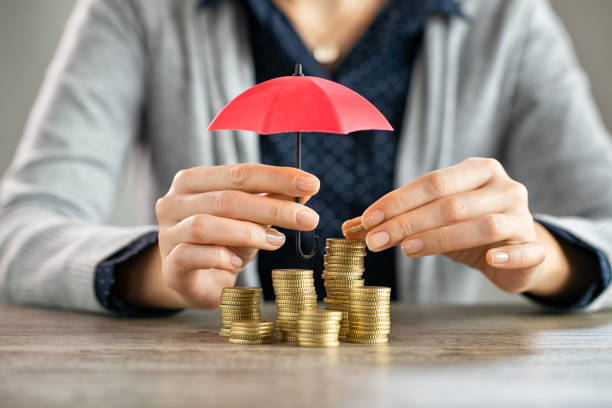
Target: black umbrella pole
298	235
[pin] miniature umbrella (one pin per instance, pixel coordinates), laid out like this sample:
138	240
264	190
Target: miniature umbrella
298	104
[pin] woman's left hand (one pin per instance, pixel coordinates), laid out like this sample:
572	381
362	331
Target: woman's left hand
475	214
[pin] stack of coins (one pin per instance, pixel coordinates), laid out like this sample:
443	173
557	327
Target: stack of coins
251	332
369	315
295	291
319	328
238	303
343	263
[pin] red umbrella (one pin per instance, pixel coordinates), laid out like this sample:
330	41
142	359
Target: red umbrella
298	104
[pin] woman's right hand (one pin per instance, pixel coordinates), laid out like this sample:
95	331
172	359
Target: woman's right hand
213	221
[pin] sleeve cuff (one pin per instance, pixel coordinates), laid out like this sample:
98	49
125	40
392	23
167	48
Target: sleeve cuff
595	289
105	279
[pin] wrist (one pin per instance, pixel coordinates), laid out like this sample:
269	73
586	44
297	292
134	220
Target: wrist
140	283
565	273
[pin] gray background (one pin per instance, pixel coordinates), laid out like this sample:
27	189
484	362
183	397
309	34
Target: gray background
30	30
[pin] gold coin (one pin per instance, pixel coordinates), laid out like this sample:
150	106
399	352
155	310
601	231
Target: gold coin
373	289
319	330
367	341
291	272
373	333
369	325
318	326
342	260
252	324
241	289
248	314
321	314
302	292
293	285
234	294
343	283
353	230
342	241
363	308
243	341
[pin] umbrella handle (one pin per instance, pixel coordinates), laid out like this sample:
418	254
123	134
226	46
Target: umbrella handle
298	164
298	242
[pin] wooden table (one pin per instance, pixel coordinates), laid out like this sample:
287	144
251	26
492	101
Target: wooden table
513	356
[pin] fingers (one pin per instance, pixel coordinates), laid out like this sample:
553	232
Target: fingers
189	269
211	230
517	256
247	177
201	288
468	234
449	210
187	257
468	175
239	205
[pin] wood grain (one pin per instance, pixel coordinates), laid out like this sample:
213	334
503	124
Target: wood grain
438	356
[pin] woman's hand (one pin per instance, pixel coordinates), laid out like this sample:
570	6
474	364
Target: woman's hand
212	222
475	214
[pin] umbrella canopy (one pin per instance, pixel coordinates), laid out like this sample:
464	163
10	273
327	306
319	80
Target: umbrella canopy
298	104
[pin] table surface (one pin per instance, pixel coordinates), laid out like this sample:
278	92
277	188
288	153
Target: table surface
437	356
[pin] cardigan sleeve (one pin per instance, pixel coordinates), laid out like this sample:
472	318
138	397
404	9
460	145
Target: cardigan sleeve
60	187
557	144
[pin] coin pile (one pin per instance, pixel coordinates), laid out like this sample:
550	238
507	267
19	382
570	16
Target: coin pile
251	332
238	303
319	328
369	314
344	268
295	291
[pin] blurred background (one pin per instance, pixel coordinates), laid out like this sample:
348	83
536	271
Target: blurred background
30	30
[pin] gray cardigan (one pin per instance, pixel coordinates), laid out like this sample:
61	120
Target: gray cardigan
502	83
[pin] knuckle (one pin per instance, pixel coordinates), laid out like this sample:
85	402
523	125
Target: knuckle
494	165
180	178
180	255
439	183
239	174
493	227
453	209
250	233
162	206
519	191
439	242
276	211
221	257
220	201
199	225
405	226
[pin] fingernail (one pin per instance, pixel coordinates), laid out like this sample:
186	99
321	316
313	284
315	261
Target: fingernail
236	261
377	240
305	183
500	258
307	218
273	237
373	219
413	246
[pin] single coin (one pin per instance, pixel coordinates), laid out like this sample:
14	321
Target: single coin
353	230
241	289
342	241
373	289
367	341
243	341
